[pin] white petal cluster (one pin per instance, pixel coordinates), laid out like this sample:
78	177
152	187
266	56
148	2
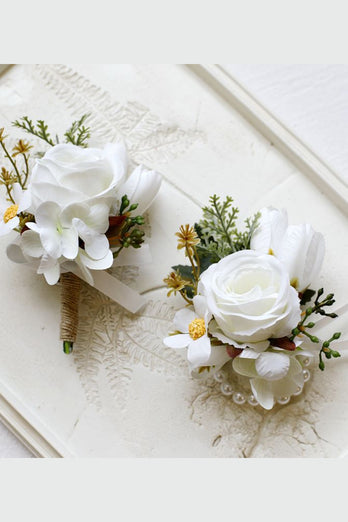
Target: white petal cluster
250	298
73	191
300	248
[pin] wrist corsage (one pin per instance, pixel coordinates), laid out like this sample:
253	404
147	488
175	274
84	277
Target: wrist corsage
75	210
250	318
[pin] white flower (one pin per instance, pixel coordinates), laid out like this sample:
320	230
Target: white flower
194	328
272	373
27	248
74	190
87	263
299	247
70	174
141	187
250	298
9	211
58	237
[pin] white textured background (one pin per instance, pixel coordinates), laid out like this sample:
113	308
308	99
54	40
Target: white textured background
312	100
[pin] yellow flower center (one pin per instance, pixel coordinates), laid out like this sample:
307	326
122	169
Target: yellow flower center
197	328
10	213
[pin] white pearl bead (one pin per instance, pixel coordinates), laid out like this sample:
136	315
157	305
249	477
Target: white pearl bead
298	391
226	389
306	362
252	400
283	400
219	376
238	398
306	375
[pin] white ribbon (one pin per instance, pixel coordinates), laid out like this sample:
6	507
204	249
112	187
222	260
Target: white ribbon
106	283
122	294
117	291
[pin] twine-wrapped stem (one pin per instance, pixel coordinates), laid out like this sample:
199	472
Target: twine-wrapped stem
70	293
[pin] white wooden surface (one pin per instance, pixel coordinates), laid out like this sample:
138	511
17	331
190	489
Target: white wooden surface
312	101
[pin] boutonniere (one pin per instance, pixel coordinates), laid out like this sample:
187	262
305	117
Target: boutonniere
250	316
75	209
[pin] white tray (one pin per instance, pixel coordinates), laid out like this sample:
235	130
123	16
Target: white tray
121	393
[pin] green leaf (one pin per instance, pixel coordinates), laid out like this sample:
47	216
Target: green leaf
206	257
307	296
185	271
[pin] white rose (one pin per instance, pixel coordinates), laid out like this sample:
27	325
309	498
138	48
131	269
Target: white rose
299	247
250	297
70	174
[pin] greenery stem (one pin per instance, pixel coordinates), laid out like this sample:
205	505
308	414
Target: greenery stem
182	293
8	156
225	229
194	268
10	195
26	174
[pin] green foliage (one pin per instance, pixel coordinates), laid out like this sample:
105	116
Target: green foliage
327	351
218	237
218	231
318	307
78	134
128	232
186	272
306	296
39	129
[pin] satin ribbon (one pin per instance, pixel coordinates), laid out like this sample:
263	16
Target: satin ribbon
122	294
106	283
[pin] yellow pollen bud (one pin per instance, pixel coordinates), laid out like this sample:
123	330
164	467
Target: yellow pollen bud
197	328
10	213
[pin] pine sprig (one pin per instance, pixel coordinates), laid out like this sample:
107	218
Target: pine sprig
218	230
40	129
242	239
78	134
219	224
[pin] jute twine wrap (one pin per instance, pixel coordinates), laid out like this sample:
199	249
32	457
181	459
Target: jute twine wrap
70	293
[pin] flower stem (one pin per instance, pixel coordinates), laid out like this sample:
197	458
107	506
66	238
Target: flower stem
184	296
194	268
8	156
26	174
68	346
